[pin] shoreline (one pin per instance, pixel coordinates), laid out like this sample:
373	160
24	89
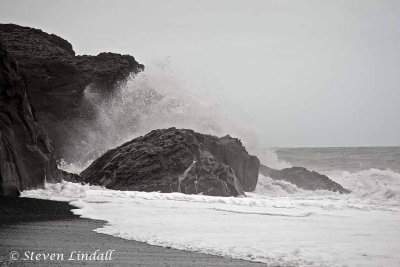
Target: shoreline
39	228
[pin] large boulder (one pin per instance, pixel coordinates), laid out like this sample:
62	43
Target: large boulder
177	160
58	81
232	152
303	178
26	155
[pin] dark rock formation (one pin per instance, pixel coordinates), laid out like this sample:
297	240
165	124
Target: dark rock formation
71	177
9	190
26	155
303	178
231	152
177	160
57	79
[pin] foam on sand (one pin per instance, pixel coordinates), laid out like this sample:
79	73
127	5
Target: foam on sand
324	229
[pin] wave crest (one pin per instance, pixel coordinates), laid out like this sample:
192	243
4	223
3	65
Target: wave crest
372	183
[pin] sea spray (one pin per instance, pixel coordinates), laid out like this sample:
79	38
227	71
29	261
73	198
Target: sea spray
153	99
370	184
269	158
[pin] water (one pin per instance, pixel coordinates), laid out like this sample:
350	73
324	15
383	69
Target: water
352	159
370	172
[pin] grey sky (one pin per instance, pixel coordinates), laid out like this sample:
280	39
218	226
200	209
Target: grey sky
307	73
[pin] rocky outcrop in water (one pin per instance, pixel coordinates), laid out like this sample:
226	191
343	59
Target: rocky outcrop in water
71	177
177	160
303	178
26	154
57	80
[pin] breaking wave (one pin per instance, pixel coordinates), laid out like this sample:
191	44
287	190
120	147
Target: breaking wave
270	187
153	99
372	184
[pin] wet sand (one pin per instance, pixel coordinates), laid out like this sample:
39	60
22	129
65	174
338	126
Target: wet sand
42	227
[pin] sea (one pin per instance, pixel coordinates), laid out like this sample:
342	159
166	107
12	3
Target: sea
277	224
352	159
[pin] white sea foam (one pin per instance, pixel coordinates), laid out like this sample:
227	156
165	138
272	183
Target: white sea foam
269	187
370	184
370	189
292	228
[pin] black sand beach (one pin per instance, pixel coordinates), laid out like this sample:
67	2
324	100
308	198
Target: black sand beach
42	226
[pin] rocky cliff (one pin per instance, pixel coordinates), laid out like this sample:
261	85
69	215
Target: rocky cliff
57	80
26	154
177	160
303	178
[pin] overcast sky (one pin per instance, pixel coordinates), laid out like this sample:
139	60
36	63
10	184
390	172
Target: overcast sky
307	73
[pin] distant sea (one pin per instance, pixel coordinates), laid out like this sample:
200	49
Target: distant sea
350	159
